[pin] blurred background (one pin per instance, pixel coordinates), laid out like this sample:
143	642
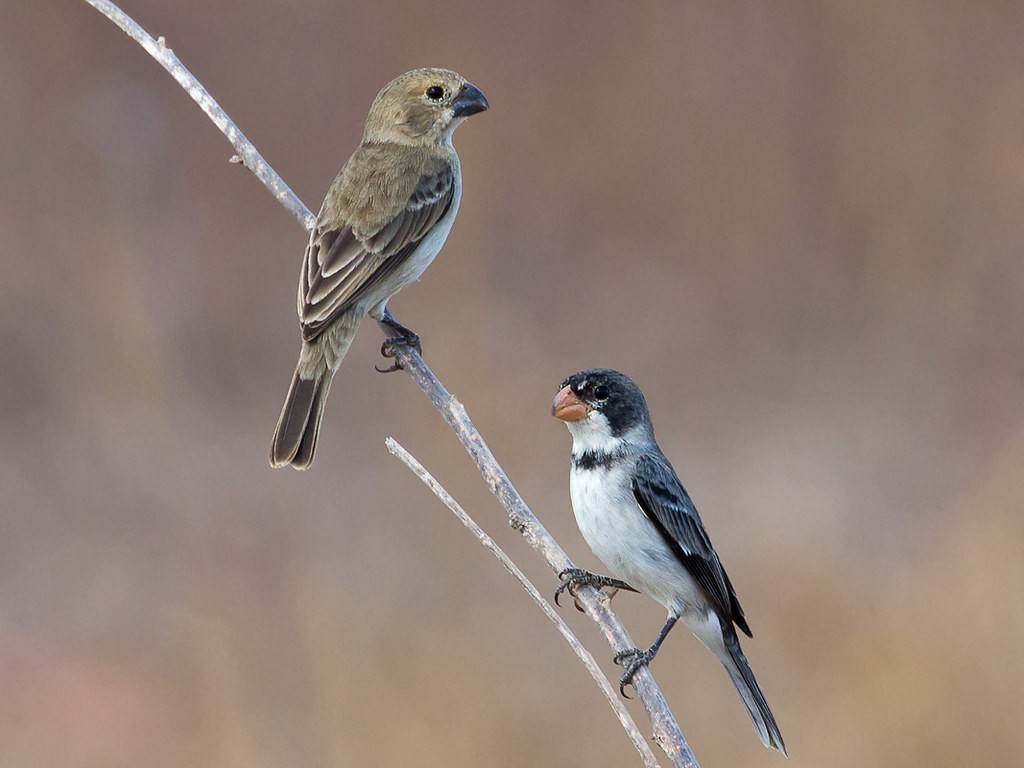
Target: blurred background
799	226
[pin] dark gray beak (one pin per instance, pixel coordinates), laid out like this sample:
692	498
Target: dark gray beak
470	101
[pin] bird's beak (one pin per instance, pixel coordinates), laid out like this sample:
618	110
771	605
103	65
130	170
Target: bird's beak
568	407
470	101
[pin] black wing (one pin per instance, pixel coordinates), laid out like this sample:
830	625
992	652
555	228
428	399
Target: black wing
339	268
666	503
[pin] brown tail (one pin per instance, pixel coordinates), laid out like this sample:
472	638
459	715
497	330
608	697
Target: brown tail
299	426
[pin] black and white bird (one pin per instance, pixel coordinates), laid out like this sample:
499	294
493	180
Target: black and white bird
639	520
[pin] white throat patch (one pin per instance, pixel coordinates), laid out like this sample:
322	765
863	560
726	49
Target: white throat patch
593	435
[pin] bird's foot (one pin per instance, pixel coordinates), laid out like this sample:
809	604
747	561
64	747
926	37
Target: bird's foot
632	660
390	347
400	337
574	578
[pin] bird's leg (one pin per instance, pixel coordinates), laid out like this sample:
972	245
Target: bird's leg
398	336
635	658
574	578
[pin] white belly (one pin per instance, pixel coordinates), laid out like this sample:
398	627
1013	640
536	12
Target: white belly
619	533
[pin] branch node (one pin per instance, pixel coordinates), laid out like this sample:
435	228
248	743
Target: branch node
458	410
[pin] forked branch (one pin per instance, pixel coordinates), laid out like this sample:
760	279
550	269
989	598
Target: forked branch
578	648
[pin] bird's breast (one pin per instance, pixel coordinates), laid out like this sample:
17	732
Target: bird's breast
608	516
410	270
619	533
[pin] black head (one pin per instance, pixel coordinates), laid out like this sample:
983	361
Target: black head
610	393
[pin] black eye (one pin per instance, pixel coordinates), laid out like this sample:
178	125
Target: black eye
601	392
435	93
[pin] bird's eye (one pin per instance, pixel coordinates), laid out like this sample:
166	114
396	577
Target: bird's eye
435	93
601	392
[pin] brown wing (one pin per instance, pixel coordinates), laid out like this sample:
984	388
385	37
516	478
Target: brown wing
340	268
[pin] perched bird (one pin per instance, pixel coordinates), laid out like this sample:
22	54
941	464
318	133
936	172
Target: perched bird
638	519
383	221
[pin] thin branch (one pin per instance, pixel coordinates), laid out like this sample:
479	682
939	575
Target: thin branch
521	518
578	648
247	153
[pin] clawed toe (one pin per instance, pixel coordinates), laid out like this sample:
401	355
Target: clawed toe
405	339
390	347
571	578
632	660
574	578
398	336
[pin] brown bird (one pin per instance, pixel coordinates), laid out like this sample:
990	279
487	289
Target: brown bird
383	221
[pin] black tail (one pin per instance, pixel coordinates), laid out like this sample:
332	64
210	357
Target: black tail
299	426
743	678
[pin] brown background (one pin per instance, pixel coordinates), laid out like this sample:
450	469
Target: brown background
798	225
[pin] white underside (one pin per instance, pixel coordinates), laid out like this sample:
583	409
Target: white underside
619	533
632	549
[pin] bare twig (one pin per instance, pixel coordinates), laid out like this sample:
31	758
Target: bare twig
521	518
584	655
247	153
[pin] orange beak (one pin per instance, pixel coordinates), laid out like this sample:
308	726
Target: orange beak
568	407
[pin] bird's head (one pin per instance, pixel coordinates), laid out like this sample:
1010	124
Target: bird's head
602	405
422	105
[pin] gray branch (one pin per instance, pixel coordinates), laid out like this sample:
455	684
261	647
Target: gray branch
578	648
247	154
521	518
